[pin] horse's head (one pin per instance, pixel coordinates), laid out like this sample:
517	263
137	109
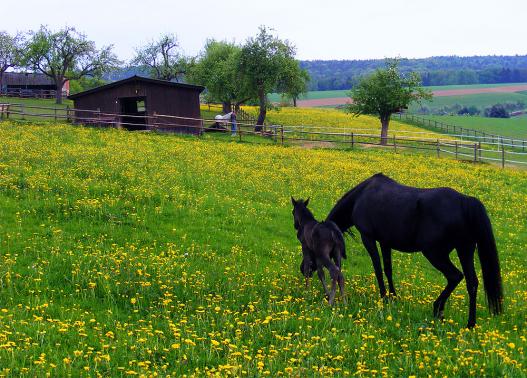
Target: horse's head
299	208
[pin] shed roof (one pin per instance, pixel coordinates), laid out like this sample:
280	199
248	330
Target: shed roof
27	78
137	79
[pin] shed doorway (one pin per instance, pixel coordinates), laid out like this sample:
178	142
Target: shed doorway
133	113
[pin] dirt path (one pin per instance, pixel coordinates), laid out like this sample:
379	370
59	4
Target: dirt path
439	93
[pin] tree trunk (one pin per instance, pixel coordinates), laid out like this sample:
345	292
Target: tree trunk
1	82
294	101
263	110
385	121
226	107
59	82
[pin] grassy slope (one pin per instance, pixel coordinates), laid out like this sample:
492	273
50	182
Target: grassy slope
481	100
137	253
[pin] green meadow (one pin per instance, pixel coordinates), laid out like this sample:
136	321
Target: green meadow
149	254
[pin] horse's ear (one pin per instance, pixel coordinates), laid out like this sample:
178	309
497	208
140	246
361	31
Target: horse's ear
306	201
293	201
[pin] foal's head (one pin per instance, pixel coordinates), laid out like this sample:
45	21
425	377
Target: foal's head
300	211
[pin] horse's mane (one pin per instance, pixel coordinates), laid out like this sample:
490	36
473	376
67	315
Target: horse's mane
340	214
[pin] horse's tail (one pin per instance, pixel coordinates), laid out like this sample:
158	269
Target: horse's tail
338	237
488	255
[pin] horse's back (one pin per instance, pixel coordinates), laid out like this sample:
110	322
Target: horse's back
409	218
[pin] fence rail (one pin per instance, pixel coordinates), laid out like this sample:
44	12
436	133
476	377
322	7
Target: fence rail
30	93
505	154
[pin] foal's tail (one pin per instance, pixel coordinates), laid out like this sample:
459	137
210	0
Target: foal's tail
488	255
338	237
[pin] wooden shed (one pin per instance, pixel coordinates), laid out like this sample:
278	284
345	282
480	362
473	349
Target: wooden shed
139	103
30	84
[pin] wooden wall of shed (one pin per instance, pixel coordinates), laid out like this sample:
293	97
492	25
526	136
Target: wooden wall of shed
160	100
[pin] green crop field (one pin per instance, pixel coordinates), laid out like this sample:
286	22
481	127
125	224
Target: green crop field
514	127
147	254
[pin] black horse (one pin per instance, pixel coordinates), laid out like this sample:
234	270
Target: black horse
433	221
321	243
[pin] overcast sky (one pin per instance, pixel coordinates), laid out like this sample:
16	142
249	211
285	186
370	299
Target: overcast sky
325	29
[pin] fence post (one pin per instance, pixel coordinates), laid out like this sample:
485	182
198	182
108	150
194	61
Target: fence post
99	117
438	148
67	113
282	134
475	152
479	149
352	140
55	114
394	143
502	155
456	149
240	133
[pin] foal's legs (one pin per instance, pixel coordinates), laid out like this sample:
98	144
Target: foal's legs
334	272
387	262
371	247
466	257
440	259
322	277
338	263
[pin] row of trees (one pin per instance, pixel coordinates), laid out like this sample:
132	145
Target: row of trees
446	70
499	110
233	74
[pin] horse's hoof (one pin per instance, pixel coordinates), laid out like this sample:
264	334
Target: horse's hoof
471	325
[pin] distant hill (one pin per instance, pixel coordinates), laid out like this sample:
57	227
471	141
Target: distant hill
440	70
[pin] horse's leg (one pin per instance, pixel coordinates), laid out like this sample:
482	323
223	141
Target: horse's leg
334	272
322	277
338	263
387	262
371	247
440	259
466	257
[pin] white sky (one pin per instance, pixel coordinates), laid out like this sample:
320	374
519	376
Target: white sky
323	29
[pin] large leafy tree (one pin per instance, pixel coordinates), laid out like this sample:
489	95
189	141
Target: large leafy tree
216	69
385	92
262	62
10	53
66	55
162	57
293	82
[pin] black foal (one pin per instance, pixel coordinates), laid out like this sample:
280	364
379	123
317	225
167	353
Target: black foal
322	246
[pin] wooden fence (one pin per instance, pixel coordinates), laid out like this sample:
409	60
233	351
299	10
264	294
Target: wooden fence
480	149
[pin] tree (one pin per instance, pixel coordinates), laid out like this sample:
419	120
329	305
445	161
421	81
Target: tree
385	92
216	69
261	66
162	57
10	53
66	55
293	82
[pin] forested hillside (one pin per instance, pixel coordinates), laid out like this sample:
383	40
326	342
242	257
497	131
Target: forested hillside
441	70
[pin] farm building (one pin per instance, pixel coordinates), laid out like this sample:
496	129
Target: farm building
139	103
24	84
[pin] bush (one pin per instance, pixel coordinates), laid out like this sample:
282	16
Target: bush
497	111
470	110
